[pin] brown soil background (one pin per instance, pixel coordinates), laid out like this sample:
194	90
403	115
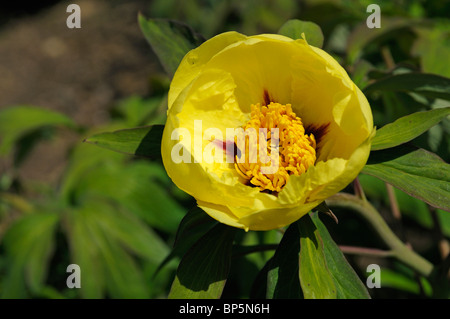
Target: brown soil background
79	72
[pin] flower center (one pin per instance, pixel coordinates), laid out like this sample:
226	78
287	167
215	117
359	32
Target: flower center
287	147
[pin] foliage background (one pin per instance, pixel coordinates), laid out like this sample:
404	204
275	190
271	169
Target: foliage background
63	201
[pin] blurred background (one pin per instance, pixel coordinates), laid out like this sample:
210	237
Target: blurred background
63	201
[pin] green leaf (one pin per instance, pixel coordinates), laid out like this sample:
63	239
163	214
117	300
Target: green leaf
407	128
83	159
124	277
360	73
282	277
315	278
397	280
429	85
417	172
362	37
16	122
29	243
294	29
102	241
192	227
170	40
443	218
129	231
137	111
203	271
138	186
141	141
348	284
433	41
410	207
85	253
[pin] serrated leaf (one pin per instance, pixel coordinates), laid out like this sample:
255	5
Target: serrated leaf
295	28
282	276
315	278
417	172
17	121
141	141
203	271
348	284
407	128
428	85
170	40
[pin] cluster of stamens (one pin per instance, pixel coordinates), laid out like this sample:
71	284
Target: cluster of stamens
291	151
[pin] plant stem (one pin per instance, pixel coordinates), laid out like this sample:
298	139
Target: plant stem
366	251
398	248
359	191
393	201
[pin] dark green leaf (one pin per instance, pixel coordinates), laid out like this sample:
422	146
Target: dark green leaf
294	29
170	40
282	277
315	278
193	225
407	128
429	85
347	282
191	228
203	271
417	172
141	141
18	121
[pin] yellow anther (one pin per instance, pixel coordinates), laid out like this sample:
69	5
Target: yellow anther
297	150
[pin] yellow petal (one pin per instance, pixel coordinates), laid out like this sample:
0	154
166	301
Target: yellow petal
208	98
264	219
324	96
325	178
273	218
260	70
219	81
194	61
220	213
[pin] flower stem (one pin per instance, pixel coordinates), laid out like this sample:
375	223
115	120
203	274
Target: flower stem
369	213
364	251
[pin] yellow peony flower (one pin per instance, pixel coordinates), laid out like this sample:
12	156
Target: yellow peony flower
311	120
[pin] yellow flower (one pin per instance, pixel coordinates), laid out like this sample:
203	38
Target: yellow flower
318	129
